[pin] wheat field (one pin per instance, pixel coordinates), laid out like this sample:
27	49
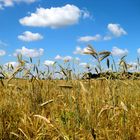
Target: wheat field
70	109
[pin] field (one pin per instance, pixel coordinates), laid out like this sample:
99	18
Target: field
103	105
70	109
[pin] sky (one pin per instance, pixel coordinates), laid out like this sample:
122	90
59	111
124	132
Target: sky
60	29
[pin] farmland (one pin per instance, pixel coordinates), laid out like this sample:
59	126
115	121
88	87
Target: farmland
34	105
70	109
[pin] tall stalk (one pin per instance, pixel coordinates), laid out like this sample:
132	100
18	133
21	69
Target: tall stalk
114	63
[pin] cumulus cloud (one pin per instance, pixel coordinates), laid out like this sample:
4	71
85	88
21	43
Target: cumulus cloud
2	52
58	57
54	17
78	50
49	62
12	63
116	29
85	65
64	58
85	50
90	38
119	52
29	52
28	36
9	3
67	58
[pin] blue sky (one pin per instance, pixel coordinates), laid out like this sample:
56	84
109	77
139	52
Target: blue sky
59	27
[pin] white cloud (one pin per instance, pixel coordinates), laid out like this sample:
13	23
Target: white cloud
12	63
49	63
119	52
86	50
107	37
9	3
86	14
67	58
54	17
28	36
29	52
116	30
64	58
58	57
132	66
2	52
85	65
78	50
77	59
90	38
138	51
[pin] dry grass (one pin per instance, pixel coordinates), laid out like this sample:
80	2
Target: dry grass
70	110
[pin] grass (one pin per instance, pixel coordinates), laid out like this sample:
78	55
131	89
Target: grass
70	110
